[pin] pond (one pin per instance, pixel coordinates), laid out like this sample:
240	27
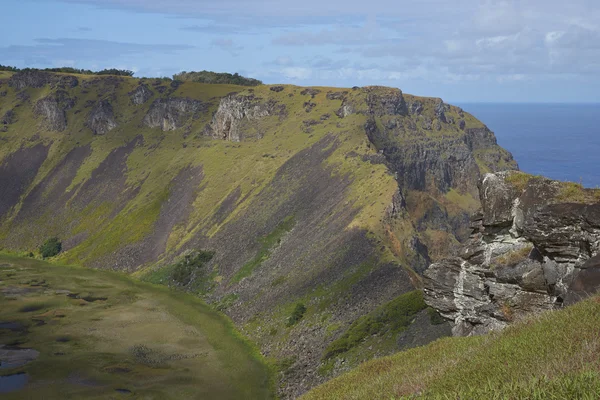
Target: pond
11	383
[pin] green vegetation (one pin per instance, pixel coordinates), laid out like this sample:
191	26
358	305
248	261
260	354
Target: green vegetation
268	243
551	356
216	77
186	266
51	247
576	193
8	68
102	327
518	180
394	316
70	70
297	314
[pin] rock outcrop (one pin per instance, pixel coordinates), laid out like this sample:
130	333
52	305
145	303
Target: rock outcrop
8	118
235	109
533	237
37	79
140	94
101	118
171	113
53	109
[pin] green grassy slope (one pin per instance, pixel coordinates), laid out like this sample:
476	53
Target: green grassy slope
364	208
551	356
99	331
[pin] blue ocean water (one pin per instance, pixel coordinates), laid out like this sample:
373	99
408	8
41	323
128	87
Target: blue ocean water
559	141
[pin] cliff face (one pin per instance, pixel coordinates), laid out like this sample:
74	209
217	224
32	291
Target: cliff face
532	240
331	199
101	118
171	113
235	114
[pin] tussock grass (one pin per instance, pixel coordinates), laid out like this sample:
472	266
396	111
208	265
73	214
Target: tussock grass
551	356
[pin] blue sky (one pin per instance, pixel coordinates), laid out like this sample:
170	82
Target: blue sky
460	50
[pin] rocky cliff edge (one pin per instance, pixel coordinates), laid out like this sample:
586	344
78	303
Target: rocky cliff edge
533	247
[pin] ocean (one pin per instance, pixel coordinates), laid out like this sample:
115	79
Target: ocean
559	141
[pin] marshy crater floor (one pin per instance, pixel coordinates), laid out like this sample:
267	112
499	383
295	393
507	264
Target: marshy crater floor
70	332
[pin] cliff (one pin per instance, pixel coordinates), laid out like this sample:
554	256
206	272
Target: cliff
533	248
322	205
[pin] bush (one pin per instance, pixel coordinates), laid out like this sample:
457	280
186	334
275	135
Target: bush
184	269
51	247
216	77
297	314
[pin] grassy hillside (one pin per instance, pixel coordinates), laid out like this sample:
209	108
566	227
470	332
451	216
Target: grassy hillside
99	332
333	198
552	356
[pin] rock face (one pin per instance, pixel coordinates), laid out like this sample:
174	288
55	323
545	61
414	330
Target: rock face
533	240
171	113
53	109
37	79
140	94
101	118
234	110
8	118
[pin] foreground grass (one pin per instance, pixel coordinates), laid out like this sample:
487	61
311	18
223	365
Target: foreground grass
553	356
99	331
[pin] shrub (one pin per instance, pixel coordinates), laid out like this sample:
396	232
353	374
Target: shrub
51	247
216	77
297	314
184	269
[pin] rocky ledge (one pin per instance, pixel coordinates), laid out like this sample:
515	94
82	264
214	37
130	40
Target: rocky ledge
531	248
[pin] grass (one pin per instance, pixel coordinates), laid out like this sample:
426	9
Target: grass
551	356
514	257
518	180
572	192
148	339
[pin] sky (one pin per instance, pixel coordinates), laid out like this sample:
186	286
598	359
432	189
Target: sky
459	50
